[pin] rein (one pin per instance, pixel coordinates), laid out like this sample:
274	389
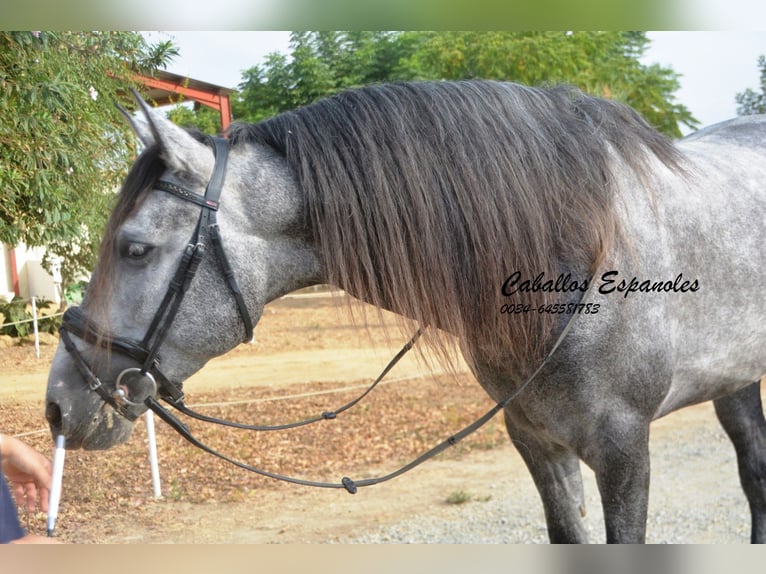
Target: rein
151	381
347	483
327	415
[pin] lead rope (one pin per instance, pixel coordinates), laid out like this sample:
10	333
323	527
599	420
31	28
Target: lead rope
347	483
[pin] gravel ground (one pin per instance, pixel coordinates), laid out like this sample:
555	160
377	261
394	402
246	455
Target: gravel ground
695	498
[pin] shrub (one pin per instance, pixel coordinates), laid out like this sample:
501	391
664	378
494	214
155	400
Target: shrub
21	310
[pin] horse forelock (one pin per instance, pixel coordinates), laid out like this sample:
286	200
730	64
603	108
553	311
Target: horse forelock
140	179
425	197
143	173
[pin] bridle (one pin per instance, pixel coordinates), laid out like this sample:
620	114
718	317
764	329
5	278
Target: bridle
149	380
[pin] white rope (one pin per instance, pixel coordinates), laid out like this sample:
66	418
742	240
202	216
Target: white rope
304	395
267	399
39	318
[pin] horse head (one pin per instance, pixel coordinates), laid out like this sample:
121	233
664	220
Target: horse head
181	278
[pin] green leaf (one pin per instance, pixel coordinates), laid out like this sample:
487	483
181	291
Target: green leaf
604	64
62	153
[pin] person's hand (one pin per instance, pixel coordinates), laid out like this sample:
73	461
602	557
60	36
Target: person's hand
28	472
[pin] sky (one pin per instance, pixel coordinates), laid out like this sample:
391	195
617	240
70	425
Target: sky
714	66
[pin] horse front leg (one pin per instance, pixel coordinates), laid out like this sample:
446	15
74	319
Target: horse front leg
556	473
619	457
741	415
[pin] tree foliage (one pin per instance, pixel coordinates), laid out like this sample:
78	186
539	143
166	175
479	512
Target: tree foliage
751	101
605	64
205	119
320	64
63	145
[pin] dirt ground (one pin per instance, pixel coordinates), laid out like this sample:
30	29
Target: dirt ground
309	355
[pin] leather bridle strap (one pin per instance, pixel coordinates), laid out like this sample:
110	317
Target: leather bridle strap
206	230
75	322
347	483
166	312
228	274
327	415
146	352
214	187
94	383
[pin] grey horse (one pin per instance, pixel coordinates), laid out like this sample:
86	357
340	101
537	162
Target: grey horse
495	216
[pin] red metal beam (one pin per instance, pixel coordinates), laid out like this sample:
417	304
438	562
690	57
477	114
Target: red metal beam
225	112
218	102
14	270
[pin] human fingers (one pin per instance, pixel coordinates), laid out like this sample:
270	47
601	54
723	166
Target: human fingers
31	496
26	495
31	466
34	463
45	495
19	495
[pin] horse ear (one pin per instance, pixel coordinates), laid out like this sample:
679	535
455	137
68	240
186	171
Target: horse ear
140	126
180	150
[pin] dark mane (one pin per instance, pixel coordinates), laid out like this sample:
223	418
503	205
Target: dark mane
424	197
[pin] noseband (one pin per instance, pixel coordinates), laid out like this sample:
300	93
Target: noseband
148	378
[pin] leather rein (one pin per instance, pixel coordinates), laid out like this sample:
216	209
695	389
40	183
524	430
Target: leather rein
150	380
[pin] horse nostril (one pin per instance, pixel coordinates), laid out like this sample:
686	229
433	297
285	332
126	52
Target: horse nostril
53	416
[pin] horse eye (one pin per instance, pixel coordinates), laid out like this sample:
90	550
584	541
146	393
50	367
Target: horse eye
135	251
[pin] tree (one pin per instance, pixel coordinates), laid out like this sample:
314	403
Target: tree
605	64
63	145
752	102
202	118
320	64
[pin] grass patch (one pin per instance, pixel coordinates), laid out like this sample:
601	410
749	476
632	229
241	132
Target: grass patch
459	497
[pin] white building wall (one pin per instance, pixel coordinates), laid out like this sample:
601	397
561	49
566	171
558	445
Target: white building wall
34	280
6	275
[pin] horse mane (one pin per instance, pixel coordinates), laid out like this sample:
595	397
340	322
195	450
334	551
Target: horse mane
424	197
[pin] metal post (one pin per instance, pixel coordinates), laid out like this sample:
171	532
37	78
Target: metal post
153	454
34	327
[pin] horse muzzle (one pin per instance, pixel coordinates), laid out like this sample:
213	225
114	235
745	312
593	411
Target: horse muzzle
91	413
133	385
80	415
